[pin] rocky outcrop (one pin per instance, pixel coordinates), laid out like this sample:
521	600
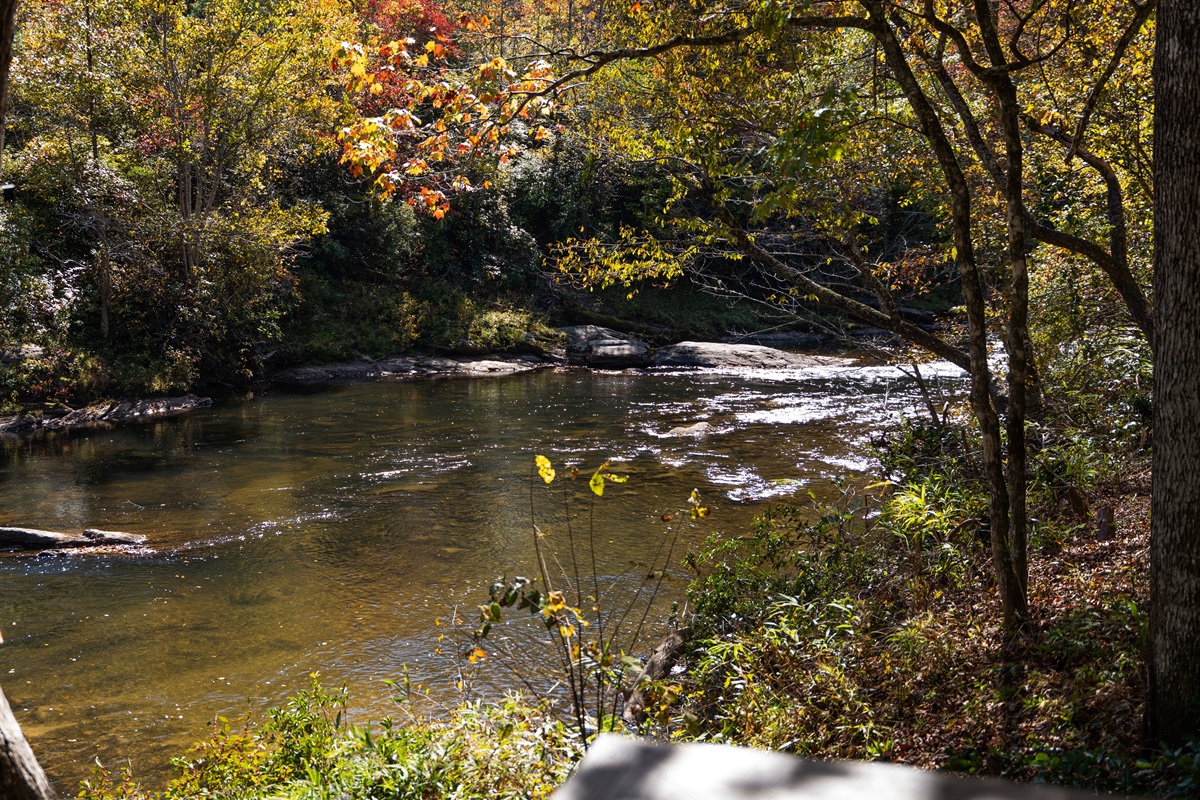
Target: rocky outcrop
404	367
716	354
24	352
35	539
604	348
103	415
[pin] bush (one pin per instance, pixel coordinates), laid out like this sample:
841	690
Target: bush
307	750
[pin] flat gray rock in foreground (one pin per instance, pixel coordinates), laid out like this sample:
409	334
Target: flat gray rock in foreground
620	768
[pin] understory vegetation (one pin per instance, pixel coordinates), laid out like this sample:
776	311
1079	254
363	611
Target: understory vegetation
308	750
849	637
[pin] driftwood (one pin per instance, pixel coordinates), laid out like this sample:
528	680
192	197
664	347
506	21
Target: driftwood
34	539
21	777
657	667
103	415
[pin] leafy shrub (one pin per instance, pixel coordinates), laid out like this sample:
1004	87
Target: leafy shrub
785	553
307	750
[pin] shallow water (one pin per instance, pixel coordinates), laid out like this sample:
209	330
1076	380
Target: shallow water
339	531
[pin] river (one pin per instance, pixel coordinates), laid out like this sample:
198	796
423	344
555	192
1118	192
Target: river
338	530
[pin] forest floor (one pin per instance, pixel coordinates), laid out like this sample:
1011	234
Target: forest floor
904	659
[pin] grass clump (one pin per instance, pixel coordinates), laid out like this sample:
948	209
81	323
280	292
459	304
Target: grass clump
307	750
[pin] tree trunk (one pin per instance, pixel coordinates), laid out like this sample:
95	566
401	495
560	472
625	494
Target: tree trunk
1173	702
21	777
1007	565
8	26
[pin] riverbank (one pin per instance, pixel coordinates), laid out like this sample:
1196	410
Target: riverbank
869	648
879	652
584	346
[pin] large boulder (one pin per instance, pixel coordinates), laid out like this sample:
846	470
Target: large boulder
23	352
618	354
604	348
717	354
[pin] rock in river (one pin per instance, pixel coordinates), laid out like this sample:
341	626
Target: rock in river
604	348
699	429
716	354
35	539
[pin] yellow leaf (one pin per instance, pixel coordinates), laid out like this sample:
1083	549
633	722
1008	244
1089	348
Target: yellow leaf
556	604
544	468
566	631
475	655
597	483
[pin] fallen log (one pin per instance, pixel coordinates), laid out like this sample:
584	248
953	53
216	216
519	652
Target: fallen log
658	666
35	539
102	415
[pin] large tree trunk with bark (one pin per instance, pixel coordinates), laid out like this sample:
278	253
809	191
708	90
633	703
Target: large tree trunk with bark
8	25
21	777
1173	704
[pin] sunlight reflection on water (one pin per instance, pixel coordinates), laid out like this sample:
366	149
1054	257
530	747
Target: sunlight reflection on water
339	530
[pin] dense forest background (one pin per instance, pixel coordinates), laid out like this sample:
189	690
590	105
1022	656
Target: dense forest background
184	218
210	191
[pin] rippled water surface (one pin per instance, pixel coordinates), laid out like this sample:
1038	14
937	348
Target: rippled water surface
338	530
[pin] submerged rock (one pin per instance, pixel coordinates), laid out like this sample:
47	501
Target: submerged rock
699	429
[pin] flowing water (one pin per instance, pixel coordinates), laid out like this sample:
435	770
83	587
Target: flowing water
339	530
